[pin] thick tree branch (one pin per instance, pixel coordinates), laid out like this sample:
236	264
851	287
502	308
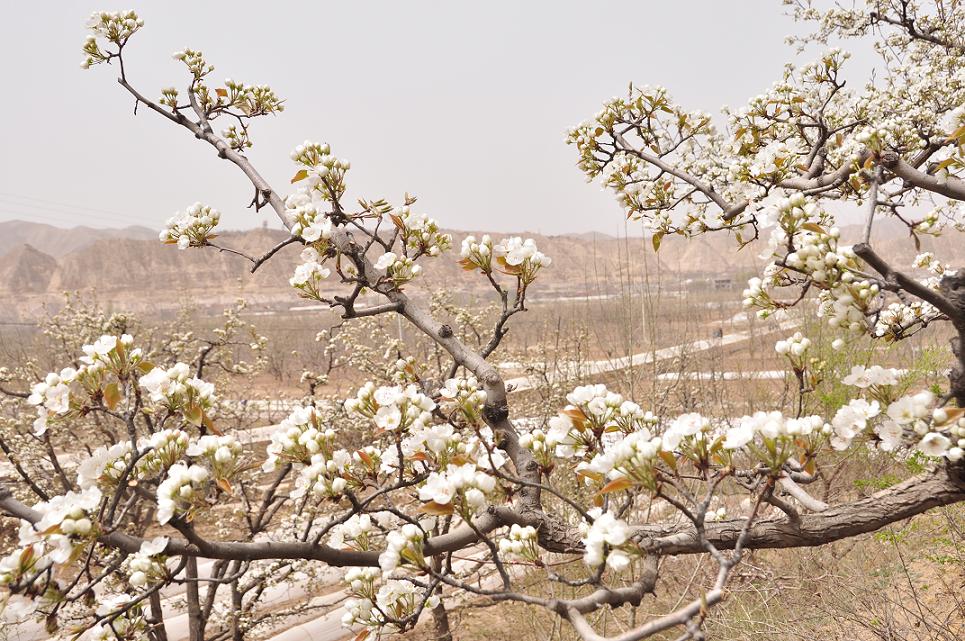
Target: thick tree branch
949	186
909	498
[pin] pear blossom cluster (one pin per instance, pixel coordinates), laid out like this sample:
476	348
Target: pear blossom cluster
773	438
176	390
403	371
462	487
802	250
398	269
874	376
323	173
360	532
515	256
309	274
51	396
169	98
164	449
361	579
222	453
477	254
184	489
794	349
521	258
542	446
631	458
913	421
847	305
592	411
605	540
299	437
795	345
194	61
115	27
146	566
304	210
105	467
463	395
899	320
192	227
106	359
520	544
327	476
67	524
851	420
436	443
380	612
420	233
250	100
394	409
917	416
237	138
403	546
927	260
772	162
440	444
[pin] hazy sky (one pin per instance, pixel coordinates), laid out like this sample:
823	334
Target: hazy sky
463	104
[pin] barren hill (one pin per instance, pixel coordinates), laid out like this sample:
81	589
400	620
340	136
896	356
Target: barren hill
129	268
57	241
25	269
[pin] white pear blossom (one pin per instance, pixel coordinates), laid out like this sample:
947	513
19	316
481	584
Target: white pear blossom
477	254
462	484
392	408
521	258
852	419
192	227
105	467
301	435
402	546
876	375
520	544
603	538
184	487
934	444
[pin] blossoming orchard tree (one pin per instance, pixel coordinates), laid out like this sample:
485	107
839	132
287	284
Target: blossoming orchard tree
606	486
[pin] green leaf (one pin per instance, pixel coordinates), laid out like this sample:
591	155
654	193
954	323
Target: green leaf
193	414
669	459
616	485
655	241
948	162
817	229
301	175
112	396
436	509
958	134
209	424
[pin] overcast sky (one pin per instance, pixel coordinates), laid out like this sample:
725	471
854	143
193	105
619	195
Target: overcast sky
463	104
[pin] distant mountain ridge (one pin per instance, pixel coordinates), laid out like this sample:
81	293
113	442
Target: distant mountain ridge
129	268
57	241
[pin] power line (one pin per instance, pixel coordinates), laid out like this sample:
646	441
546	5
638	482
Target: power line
61	213
62	204
60	209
